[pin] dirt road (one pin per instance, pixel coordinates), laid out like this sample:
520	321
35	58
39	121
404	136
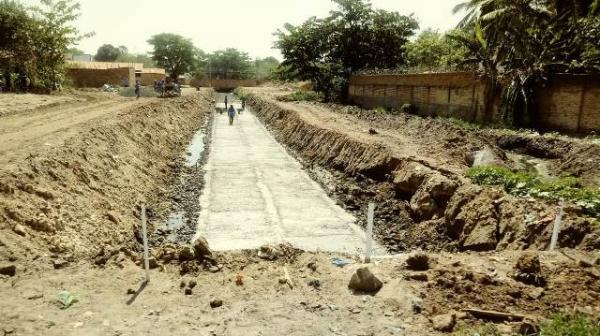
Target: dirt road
258	194
37	131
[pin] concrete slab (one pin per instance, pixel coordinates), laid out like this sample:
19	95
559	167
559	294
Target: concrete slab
256	193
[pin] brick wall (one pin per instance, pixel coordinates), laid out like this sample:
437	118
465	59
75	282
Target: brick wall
98	77
147	78
566	102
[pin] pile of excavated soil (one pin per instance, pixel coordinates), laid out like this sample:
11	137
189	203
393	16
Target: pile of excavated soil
14	103
279	290
414	172
83	197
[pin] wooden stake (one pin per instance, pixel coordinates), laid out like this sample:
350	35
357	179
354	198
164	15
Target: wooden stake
145	237
369	237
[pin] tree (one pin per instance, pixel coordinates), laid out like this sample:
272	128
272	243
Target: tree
434	51
108	53
230	63
146	60
266	67
17	33
354	37
75	51
173	52
54	36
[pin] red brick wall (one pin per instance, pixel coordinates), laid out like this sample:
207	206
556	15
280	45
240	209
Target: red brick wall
566	102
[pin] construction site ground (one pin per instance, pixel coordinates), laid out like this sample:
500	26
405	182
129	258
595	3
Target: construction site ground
74	171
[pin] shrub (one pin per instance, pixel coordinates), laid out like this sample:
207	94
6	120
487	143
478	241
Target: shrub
530	184
301	96
570	325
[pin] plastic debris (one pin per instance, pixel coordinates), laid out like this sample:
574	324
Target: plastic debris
339	262
67	299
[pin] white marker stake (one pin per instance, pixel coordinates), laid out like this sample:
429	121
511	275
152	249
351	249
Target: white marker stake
145	237
556	228
369	238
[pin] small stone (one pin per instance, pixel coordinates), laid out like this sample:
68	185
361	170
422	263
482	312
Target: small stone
315	283
444	323
312	266
216	303
214	269
417	307
192	284
186	253
528	270
536	293
188	291
364	281
417	276
20	230
528	328
59	263
201	248
418	262
152	263
372	131
10	270
282	280
182	284
131	291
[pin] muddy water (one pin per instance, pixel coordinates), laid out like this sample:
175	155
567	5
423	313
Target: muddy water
196	148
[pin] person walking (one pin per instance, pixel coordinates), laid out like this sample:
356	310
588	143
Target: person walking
231	114
225	101
137	89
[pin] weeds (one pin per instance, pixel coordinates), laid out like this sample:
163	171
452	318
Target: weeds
571	325
301	96
241	94
529	184
485	330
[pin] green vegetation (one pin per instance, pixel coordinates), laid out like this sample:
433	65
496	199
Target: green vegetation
353	37
109	53
175	53
571	325
34	41
432	51
301	96
485	330
529	184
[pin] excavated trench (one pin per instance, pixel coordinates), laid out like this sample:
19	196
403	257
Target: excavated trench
420	204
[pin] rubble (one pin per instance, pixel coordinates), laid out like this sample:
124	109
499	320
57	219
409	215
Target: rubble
364	281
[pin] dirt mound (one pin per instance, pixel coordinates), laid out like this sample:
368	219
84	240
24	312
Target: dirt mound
84	196
423	199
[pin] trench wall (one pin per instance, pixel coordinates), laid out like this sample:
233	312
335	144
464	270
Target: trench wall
566	102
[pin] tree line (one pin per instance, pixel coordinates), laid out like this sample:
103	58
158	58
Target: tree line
512	41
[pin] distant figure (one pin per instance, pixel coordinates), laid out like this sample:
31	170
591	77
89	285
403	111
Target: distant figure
231	113
137	89
125	82
226	101
243	103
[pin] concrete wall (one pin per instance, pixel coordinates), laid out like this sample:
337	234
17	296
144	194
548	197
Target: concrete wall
98	77
566	102
148	78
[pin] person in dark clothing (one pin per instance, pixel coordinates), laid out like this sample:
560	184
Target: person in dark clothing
231	114
225	101
137	89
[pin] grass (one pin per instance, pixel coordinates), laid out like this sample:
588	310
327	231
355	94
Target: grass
529	184
301	96
571	325
559	325
241	94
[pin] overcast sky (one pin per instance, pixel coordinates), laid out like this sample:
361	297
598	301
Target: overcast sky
244	24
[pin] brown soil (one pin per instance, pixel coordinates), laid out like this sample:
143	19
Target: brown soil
413	169
73	177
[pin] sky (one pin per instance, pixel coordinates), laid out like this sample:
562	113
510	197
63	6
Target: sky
247	25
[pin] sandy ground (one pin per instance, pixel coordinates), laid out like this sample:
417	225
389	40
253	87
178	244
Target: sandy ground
257	194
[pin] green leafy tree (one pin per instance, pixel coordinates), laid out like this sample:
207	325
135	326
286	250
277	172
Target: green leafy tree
353	37
146	60
17	35
108	53
434	51
53	37
173	52
230	64
266	67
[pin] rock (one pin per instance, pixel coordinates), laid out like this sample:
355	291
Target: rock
182	284
201	248
152	262
59	263
187	291
312	266
269	252
486	156
528	270
536	293
373	131
409	177
417	276
112	217
186	253
216	303
20	230
364	281
444	322
192	283
527	328
432	196
315	283
131	291
418	262
10	270
214	269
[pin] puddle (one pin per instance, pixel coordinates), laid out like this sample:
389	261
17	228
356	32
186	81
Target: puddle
175	222
529	163
196	147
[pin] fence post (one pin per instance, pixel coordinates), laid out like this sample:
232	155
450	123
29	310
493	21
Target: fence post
145	238
369	237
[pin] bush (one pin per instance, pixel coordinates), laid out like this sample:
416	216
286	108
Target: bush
571	325
301	96
530	184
